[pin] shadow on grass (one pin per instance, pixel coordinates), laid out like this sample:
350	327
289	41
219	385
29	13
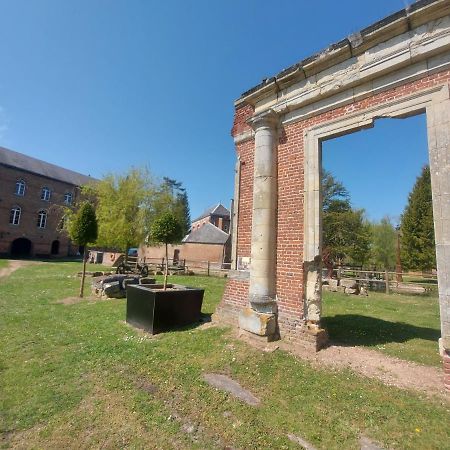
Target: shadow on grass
354	330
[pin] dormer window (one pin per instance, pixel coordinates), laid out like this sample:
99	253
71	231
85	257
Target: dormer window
20	188
42	219
68	197
45	194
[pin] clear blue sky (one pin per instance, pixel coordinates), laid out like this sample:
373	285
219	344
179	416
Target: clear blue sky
101	85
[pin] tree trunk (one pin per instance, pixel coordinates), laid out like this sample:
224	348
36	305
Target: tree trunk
398	265
84	272
386	275
166	268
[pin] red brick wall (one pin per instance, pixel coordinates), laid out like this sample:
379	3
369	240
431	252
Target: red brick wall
290	200
31	204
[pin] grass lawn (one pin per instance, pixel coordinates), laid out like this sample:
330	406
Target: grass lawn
76	376
3	263
405	326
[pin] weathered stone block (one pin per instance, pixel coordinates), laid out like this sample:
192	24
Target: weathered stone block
349	283
257	323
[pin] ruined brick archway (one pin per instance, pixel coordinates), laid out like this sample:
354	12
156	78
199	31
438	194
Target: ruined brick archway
397	67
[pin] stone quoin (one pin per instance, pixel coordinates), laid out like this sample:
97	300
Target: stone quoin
397	67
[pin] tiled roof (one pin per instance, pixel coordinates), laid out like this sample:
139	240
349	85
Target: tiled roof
33	165
216	210
207	234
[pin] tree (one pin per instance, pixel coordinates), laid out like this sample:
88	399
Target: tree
417	230
174	197
83	229
125	207
383	246
166	229
346	233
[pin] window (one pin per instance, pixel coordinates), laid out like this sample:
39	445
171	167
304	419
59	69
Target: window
14	215
68	198
42	219
45	194
20	188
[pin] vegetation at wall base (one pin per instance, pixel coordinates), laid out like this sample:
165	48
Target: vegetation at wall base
78	375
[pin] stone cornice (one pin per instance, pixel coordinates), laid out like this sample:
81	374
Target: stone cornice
364	50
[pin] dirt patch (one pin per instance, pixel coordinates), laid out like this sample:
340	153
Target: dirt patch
370	363
13	265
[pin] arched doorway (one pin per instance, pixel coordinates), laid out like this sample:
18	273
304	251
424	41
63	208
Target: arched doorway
21	247
55	248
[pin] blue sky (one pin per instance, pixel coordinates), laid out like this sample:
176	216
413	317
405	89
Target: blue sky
101	85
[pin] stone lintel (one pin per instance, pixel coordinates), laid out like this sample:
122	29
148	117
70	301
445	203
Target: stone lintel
257	323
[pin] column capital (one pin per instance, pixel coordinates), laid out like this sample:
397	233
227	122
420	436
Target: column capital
267	119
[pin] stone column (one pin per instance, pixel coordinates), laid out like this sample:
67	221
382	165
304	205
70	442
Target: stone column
260	318
438	129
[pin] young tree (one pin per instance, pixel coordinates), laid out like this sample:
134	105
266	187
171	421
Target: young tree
82	229
125	207
417	230
166	230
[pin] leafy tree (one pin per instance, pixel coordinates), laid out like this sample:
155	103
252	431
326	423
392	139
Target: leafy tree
166	229
417	230
174	197
383	244
346	233
125	207
83	229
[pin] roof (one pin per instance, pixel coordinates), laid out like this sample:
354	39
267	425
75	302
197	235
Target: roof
216	210
207	234
401	21
23	162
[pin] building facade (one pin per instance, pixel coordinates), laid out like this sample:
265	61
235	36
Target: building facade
397	67
208	241
33	195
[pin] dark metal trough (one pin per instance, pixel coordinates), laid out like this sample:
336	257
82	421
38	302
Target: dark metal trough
154	310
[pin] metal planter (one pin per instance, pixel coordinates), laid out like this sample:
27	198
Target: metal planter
154	310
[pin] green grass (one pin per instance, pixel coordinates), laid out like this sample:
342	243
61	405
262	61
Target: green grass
3	263
405	326
78	376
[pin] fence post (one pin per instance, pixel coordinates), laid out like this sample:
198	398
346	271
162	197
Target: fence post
208	268
386	275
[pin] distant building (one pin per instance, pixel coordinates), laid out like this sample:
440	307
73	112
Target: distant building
208	240
217	215
33	194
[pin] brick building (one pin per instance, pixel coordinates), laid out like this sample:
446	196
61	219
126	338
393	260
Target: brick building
32	196
397	67
208	240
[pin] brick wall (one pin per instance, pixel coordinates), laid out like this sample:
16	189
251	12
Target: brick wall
31	204
290	202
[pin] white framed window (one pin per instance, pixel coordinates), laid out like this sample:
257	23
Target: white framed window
20	188
45	194
42	219
68	197
14	215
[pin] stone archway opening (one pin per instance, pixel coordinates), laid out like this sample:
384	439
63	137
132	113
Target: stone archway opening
378	166
434	103
55	247
21	247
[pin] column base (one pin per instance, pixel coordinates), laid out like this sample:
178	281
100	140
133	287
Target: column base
257	323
